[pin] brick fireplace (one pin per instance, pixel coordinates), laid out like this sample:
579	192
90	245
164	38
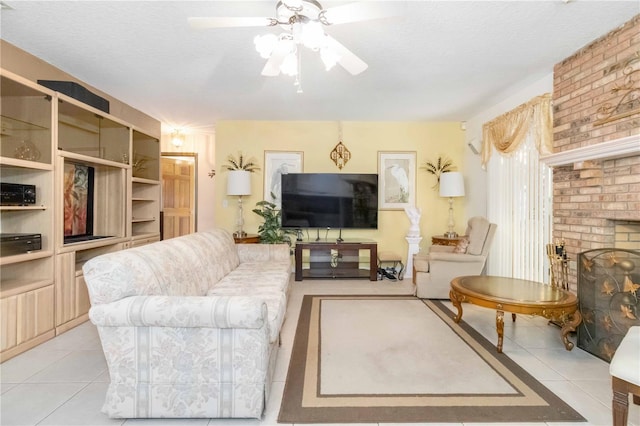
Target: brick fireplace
596	183
596	176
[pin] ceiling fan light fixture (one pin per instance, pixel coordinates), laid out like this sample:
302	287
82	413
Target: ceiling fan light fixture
293	4
313	35
290	65
303	22
329	57
265	44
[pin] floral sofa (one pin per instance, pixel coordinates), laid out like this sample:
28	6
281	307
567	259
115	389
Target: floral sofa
189	326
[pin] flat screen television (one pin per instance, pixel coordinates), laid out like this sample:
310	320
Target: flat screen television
330	200
78	202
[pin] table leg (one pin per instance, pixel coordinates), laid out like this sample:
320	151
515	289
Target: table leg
568	326
457	302
500	328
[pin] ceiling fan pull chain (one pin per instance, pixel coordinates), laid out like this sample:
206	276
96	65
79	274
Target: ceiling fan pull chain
298	82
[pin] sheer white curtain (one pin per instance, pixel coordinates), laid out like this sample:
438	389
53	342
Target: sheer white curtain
520	201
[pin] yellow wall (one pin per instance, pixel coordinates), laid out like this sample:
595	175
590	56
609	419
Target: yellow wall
364	139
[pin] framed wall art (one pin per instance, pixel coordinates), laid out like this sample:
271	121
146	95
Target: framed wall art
276	164
396	179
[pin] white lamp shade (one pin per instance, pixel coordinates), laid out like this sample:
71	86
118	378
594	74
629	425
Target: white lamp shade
451	184
239	182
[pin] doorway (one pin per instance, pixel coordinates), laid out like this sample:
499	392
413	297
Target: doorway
179	185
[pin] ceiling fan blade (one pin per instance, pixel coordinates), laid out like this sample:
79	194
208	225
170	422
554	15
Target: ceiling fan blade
363	11
347	58
272	67
229	22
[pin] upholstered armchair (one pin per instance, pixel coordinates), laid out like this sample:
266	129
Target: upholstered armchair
434	270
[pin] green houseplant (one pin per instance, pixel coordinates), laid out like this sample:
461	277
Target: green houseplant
271	231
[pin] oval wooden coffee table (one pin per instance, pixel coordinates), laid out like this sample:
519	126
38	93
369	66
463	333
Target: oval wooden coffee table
518	297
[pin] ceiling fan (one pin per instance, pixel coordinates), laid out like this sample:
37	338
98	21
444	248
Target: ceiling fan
303	22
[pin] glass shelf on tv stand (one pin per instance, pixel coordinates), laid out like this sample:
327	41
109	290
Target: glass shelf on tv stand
336	241
332	259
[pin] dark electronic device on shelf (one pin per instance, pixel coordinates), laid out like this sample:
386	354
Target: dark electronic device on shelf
12	244
330	200
17	194
78	92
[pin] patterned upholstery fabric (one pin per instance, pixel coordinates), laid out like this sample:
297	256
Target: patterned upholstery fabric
189	326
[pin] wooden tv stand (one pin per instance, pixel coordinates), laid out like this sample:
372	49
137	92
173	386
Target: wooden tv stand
336	260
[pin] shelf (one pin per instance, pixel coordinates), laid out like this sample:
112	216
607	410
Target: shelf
142	219
144	235
145	181
11	124
15	287
17	258
86	245
143	199
25	164
336	273
21	208
93	160
87	131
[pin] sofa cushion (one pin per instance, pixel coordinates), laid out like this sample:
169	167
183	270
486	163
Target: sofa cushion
256	278
183	266
477	230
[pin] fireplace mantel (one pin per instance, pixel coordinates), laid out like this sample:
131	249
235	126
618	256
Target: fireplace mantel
623	147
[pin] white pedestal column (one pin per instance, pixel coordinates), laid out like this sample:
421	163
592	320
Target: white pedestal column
414	247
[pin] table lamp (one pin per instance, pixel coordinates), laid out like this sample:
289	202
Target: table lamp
451	185
239	183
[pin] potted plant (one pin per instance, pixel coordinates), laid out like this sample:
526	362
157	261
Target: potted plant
270	230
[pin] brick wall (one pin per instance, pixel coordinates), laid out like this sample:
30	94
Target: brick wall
597	203
583	84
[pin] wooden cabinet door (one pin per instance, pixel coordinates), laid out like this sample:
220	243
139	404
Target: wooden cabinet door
65	287
8	322
35	313
82	296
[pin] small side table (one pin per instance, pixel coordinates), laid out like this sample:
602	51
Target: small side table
441	240
248	239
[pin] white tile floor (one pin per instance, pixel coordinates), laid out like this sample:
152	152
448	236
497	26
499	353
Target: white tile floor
63	381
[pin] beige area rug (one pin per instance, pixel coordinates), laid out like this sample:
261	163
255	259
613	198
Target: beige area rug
359	359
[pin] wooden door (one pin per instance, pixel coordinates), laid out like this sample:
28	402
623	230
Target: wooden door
178	195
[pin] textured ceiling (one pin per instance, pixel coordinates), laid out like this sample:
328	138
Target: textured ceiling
440	60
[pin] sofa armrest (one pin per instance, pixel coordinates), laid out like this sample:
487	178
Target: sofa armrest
263	252
185	311
441	249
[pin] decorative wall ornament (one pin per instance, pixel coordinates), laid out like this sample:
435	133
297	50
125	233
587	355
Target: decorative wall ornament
436	168
241	163
629	91
340	155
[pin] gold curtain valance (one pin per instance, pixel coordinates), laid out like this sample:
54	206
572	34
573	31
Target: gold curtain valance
507	132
